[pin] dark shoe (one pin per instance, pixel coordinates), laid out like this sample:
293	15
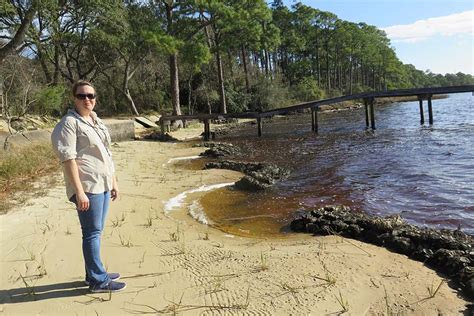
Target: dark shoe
111	287
112	276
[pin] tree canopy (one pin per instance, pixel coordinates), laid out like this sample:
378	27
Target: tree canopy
193	55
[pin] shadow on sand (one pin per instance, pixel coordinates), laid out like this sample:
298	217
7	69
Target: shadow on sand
43	292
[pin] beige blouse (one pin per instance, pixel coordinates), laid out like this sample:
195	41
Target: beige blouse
89	144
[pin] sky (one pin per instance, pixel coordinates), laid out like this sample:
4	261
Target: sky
435	35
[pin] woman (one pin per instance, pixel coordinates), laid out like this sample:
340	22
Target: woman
82	143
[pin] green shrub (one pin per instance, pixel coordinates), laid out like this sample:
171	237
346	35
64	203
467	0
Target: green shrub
237	101
269	94
50	100
202	97
358	88
307	90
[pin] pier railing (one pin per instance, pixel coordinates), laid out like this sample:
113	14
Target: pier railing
368	98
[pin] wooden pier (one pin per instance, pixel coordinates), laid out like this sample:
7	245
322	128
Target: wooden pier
369	105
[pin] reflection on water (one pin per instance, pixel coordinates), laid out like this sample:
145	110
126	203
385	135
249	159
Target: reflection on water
426	174
241	213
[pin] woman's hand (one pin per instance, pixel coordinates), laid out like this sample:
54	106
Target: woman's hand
72	172
82	202
114	193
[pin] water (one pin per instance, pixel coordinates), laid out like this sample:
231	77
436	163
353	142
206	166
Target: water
425	174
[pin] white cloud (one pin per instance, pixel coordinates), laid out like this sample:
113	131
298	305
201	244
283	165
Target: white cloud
459	23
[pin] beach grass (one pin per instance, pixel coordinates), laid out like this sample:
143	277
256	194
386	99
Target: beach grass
149	221
432	291
343	302
125	242
20	168
176	236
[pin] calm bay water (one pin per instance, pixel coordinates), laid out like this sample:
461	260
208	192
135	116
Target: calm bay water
423	173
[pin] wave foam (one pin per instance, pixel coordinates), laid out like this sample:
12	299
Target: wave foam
178	200
171	160
197	212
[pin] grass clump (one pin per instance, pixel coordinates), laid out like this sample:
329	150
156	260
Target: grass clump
30	290
432	291
42	268
118	222
343	303
328	277
142	260
177	235
204	236
263	264
149	221
19	168
31	254
125	242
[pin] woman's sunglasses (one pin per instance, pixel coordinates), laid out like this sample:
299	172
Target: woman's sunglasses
82	96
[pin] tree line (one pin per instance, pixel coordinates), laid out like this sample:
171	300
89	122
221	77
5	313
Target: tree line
188	56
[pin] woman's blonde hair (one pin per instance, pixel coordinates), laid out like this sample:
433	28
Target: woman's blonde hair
80	83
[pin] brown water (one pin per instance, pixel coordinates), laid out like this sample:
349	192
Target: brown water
425	174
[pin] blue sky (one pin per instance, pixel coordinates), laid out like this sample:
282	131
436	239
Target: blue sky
431	34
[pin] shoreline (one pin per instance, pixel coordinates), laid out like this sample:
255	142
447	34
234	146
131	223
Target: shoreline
172	263
447	251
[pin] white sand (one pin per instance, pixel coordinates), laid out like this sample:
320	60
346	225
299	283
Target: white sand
180	265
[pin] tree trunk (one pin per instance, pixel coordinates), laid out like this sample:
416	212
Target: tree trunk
328	70
246	71
174	77
266	59
255	61
12	46
231	65
126	91
173	61
220	75
335	71
373	79
261	56
47	74
318	64
270	66
189	94
130	100
276	63
350	75
209	107
57	72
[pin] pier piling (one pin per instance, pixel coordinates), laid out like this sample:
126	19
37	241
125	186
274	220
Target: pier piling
430	111
422	117
259	126
366	105
207	130
314	119
372	112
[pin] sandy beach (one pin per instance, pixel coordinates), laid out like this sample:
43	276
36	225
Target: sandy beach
174	264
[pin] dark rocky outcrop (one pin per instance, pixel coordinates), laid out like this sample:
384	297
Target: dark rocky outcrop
218	150
161	137
258	176
450	252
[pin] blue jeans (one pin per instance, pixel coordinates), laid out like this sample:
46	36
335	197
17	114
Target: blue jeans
92	225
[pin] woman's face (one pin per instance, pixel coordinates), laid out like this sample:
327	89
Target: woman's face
84	100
